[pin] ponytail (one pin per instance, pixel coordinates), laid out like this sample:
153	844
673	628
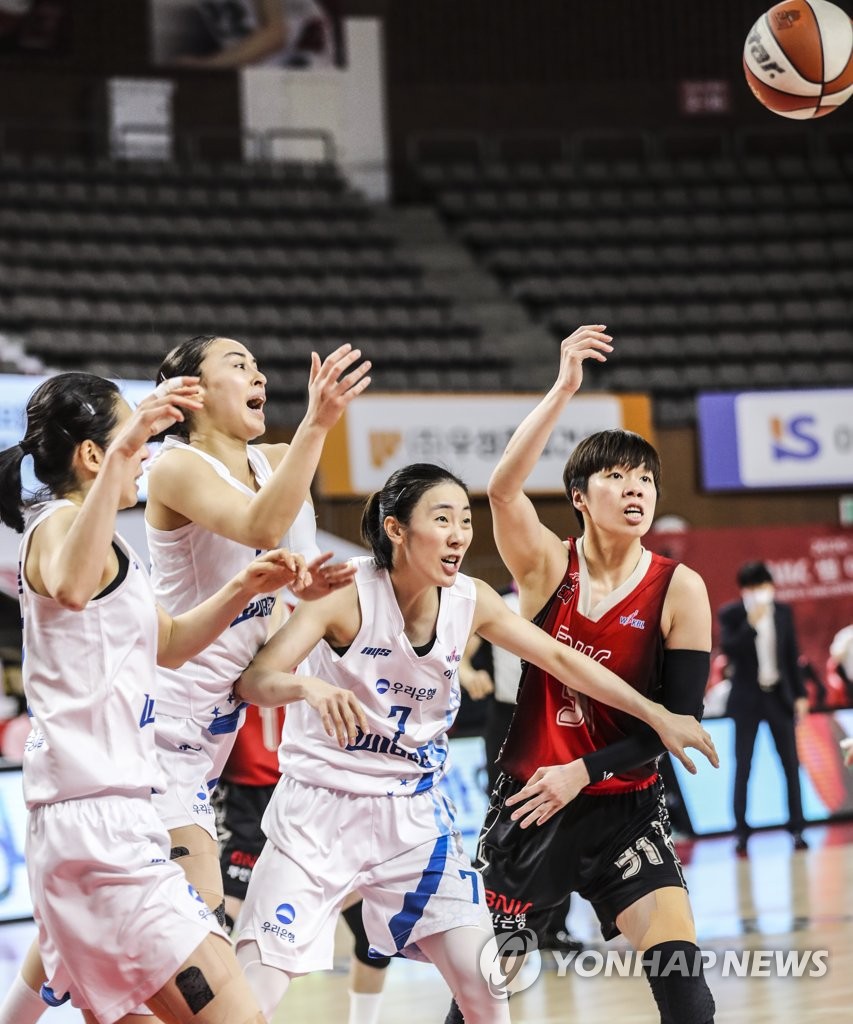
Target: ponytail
11	496
373	531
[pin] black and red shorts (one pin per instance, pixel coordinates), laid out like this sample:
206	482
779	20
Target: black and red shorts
612	849
239	810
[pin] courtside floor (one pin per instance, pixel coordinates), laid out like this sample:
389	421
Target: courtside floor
775	901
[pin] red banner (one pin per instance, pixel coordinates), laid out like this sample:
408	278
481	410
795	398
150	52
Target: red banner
812	567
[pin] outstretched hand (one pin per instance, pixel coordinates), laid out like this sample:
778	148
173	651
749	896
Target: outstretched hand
330	388
324	579
547	791
588	342
680	731
275	569
156	413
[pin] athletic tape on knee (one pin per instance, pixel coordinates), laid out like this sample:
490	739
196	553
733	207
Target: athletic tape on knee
355	921
193	992
677	979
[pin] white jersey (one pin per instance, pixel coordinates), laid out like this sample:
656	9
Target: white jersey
89	679
410	701
189	565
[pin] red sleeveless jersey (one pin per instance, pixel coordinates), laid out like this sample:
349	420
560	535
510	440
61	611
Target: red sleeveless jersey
253	760
555	725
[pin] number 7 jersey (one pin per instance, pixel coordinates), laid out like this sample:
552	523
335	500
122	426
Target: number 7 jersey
410	700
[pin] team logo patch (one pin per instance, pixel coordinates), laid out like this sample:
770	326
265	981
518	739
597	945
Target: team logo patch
285	913
382	685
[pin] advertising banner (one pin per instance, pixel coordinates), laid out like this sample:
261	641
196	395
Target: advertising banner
775	439
467	433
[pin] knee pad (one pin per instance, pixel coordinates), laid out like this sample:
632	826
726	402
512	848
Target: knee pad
677	980
353	917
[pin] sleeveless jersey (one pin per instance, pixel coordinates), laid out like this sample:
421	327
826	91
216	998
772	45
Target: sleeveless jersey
410	701
188	565
89	679
555	725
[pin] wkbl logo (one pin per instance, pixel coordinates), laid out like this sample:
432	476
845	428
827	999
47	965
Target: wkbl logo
632	620
791	438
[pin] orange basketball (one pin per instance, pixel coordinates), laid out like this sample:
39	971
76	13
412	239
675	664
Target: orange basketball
798	58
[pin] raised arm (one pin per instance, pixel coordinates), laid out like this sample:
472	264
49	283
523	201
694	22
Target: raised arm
72	558
534	554
182	484
495	622
184	636
269	681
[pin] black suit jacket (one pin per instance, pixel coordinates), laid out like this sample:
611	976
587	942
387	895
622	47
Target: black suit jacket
737	640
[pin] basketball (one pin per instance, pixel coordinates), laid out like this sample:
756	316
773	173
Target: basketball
798	58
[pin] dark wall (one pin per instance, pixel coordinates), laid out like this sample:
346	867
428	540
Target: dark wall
56	102
492	68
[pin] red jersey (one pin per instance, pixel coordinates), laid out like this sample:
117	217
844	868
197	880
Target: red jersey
253	761
553	724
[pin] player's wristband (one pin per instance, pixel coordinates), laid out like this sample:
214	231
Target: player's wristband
683	681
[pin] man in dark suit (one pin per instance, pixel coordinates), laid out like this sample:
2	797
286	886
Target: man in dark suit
760	643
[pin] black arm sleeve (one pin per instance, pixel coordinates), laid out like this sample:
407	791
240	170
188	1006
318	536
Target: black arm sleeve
683	682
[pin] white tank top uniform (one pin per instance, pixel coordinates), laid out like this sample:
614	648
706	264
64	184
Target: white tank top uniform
96	852
197	713
369	817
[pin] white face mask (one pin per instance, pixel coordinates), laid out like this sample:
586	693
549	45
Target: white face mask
758	596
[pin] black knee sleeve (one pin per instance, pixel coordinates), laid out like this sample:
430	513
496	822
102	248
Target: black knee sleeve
355	922
454	1015
677	978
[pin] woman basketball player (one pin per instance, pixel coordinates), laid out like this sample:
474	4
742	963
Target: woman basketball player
580	787
393	642
214	500
118	924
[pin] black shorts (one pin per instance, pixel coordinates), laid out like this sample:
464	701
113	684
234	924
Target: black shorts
611	849
239	810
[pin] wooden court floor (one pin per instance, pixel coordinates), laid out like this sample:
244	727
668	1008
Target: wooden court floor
775	901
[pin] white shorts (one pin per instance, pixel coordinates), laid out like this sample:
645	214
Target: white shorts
116	917
192	759
401	853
